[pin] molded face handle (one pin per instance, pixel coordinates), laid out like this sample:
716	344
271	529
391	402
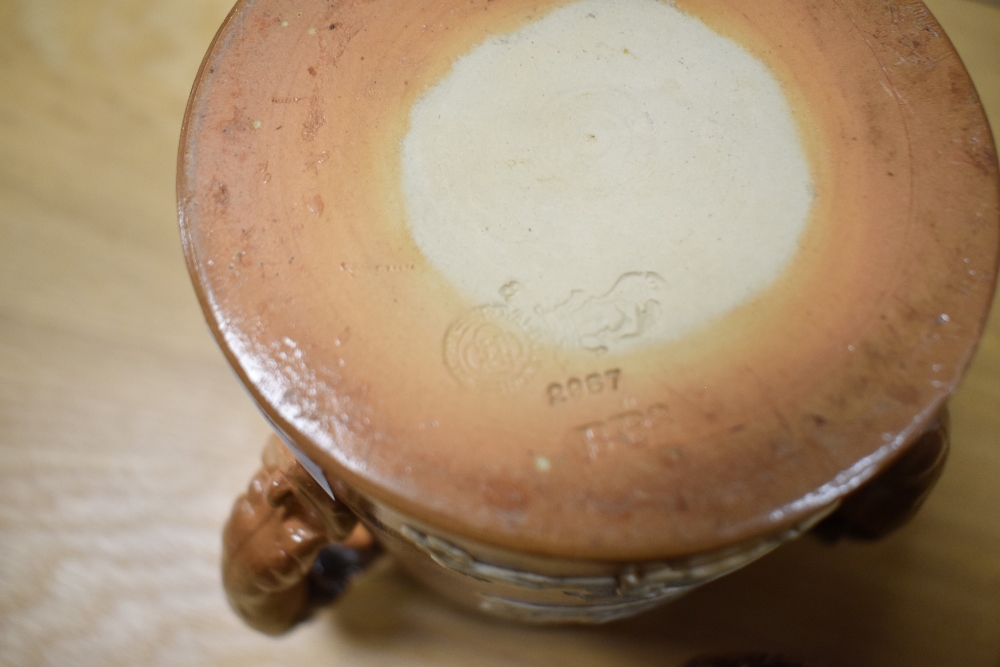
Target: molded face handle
891	499
280	560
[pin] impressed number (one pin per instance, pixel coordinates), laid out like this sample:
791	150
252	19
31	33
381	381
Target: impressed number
576	388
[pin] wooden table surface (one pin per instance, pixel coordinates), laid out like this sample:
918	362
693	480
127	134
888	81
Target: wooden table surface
124	437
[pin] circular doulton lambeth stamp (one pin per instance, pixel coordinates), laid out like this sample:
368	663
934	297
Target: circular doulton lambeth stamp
489	349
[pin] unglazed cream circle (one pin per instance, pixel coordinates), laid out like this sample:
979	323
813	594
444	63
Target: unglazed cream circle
616	172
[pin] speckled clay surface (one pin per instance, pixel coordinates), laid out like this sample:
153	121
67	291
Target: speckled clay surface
457	412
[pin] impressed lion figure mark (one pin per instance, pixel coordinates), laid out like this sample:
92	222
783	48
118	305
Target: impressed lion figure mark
630	310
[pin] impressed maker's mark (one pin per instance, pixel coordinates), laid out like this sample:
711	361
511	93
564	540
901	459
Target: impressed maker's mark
490	348
629	311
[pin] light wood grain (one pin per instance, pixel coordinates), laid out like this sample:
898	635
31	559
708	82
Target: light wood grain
124	436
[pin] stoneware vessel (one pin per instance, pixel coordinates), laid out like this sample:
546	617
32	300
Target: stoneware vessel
576	305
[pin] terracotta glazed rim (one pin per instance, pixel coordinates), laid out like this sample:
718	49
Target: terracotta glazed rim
836	438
